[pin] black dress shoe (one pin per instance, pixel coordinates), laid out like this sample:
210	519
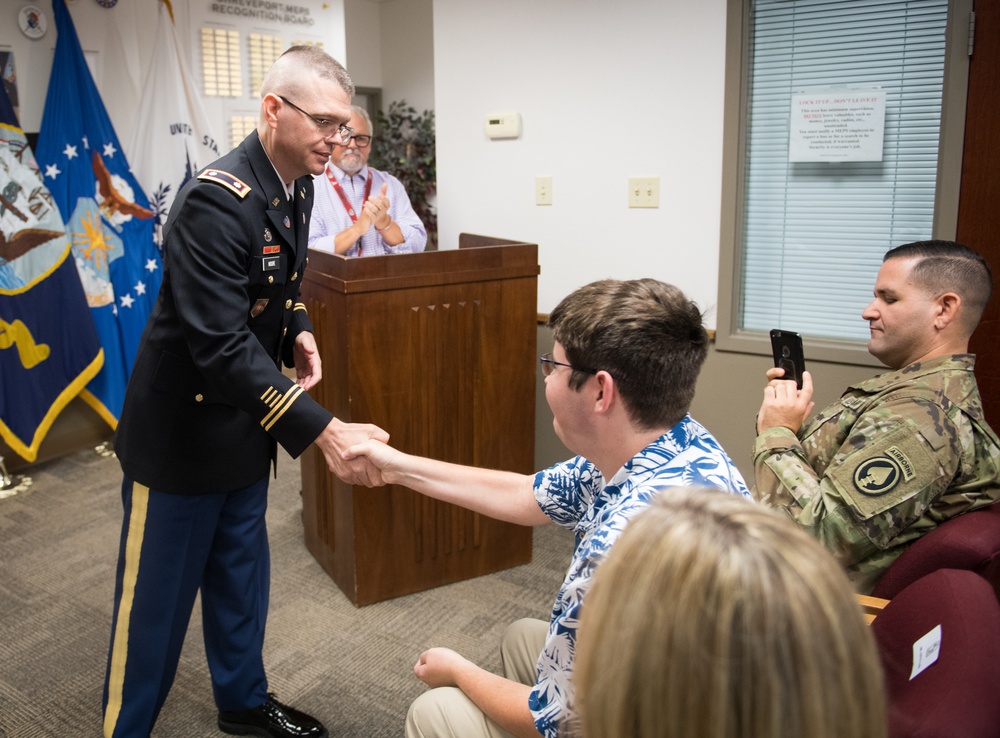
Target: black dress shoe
271	720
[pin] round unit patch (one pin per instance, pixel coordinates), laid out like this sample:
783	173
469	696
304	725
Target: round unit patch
877	476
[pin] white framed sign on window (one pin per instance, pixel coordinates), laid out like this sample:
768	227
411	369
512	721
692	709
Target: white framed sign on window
837	125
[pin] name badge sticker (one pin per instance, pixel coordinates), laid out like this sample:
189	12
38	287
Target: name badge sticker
926	650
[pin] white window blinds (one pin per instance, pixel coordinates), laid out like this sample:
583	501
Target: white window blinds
814	232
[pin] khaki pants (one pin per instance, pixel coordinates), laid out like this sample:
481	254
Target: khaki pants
446	712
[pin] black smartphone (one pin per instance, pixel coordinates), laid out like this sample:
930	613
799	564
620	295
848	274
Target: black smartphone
786	347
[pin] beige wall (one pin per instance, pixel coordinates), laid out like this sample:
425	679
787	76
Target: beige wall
560	66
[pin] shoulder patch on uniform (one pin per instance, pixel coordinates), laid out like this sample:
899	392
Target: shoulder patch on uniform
227	180
904	462
877	476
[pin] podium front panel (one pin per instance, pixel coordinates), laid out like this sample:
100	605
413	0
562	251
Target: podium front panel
442	358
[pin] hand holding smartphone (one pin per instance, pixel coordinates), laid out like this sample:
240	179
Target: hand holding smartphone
786	348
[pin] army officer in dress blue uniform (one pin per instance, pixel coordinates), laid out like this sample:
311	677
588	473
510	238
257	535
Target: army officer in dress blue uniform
207	403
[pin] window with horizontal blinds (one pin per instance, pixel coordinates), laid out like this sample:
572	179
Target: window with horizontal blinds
813	233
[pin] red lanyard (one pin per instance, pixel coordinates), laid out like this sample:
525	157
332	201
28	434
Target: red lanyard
346	202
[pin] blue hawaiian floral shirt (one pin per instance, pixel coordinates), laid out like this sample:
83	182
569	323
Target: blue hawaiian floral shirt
575	495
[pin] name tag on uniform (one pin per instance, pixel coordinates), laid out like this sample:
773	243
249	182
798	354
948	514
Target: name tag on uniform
271	263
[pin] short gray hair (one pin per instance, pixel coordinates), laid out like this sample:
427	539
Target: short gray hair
285	75
362	113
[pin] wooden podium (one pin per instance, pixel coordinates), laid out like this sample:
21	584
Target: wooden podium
438	349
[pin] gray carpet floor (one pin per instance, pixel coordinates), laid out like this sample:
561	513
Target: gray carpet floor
351	667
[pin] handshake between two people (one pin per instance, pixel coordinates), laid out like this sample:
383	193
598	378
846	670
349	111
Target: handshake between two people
357	452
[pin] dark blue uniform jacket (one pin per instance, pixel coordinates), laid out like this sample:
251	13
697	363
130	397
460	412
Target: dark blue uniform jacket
207	401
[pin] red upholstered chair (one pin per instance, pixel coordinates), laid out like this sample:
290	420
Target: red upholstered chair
955	696
970	542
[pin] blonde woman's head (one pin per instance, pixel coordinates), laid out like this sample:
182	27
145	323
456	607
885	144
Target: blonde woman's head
713	617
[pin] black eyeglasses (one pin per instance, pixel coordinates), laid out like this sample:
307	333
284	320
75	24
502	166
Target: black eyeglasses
549	365
326	126
359	139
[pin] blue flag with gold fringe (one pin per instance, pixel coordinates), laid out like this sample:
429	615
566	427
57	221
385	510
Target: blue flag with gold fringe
49	347
106	212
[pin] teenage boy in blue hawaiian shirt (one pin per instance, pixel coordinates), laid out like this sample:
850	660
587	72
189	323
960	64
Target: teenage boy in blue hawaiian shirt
620	380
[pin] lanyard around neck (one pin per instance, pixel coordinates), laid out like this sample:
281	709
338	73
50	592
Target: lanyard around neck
343	195
347	203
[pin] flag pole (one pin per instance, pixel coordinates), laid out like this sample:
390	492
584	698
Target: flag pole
12	485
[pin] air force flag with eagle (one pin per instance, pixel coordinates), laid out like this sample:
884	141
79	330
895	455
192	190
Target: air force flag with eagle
173	140
49	348
107	216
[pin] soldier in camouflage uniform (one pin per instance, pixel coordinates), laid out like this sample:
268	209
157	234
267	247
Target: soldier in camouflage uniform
902	452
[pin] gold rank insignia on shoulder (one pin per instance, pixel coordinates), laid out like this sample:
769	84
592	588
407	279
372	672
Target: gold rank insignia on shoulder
227	180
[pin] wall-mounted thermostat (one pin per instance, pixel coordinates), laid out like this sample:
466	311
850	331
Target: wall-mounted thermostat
503	125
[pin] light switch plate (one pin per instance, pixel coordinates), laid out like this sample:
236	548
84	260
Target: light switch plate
644	192
543	190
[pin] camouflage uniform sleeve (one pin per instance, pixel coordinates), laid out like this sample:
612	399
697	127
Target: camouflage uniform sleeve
896	459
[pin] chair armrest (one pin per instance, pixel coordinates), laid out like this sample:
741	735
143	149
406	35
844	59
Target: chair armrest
871	606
